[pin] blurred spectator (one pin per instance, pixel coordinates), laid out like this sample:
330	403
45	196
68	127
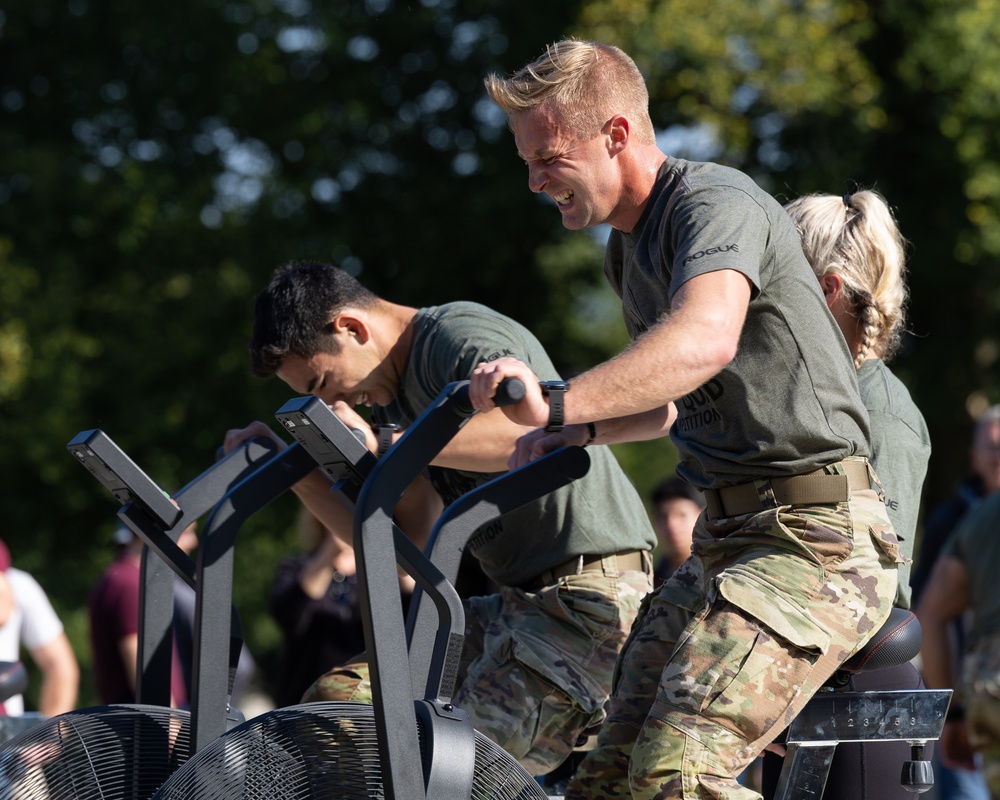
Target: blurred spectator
314	600
27	618
958	776
114	627
941	521
676	507
964	578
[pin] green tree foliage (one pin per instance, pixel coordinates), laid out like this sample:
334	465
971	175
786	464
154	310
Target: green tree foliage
832	95
731	65
156	164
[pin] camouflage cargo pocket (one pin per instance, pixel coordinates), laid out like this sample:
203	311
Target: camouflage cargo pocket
528	698
771	609
744	664
562	673
870	515
888	543
823	531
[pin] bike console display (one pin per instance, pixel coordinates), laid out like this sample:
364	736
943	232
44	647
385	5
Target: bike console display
337	449
107	462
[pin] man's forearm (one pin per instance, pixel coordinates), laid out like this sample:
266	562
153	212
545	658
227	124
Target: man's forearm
314	492
640	427
58	693
60	677
935	654
681	352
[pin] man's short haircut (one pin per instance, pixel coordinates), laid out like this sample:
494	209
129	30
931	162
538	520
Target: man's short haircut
293	315
676	489
584	83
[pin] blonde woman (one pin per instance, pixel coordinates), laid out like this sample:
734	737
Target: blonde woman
858	254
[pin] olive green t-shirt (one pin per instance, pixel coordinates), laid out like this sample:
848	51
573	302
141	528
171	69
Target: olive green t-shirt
901	447
788	402
600	513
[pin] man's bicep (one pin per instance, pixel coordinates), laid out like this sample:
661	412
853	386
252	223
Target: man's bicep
726	286
714	301
716	228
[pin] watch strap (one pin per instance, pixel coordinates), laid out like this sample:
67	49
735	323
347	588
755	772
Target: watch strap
385	437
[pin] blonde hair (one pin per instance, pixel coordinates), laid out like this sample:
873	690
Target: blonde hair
585	83
856	237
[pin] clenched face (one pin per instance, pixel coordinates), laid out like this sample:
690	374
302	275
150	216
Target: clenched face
580	175
352	375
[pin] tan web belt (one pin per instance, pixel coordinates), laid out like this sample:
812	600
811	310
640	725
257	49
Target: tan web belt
808	489
628	560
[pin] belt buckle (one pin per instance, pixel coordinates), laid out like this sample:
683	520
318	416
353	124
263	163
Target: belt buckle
713	503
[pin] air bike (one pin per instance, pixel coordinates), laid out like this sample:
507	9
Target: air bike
13	681
125	752
412	743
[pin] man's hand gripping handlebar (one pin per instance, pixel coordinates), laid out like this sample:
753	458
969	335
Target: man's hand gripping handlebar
532	411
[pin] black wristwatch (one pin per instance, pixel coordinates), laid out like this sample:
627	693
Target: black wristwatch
385	432
555	391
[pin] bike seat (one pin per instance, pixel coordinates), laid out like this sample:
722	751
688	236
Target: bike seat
895	643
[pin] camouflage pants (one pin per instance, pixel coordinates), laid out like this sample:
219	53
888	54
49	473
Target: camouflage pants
980	693
536	666
728	651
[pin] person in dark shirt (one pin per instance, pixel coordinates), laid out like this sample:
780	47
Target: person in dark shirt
984	479
314	600
956	781
114	627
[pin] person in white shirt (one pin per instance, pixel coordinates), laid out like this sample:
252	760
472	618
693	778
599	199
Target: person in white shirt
27	619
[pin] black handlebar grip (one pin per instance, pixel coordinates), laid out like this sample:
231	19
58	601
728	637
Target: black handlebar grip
510	392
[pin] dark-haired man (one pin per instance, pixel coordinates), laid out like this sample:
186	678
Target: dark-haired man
572	566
